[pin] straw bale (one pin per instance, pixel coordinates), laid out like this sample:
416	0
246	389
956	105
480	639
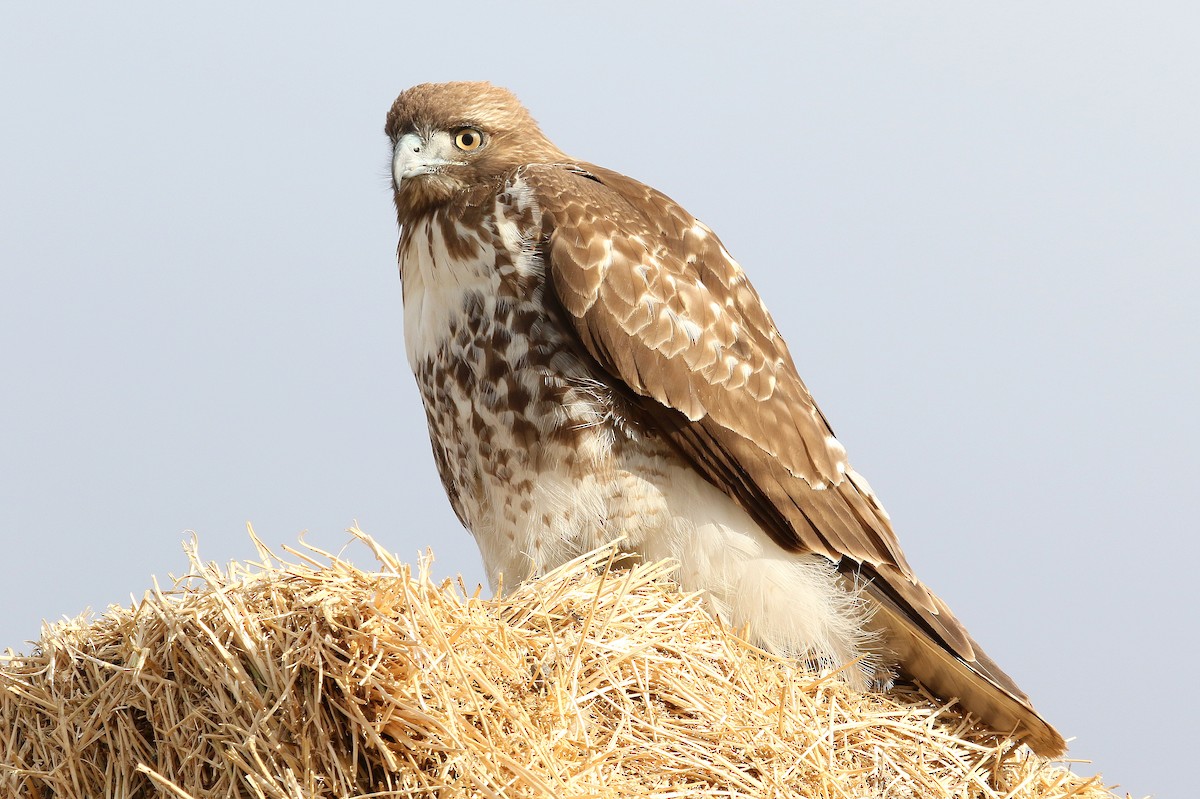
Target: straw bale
313	678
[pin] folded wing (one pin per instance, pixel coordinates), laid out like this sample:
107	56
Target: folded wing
659	303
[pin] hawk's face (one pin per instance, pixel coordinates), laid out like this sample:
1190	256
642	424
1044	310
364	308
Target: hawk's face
470	134
430	166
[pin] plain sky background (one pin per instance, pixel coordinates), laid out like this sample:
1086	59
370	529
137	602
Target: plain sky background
976	224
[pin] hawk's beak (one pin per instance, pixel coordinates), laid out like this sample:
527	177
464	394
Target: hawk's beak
415	156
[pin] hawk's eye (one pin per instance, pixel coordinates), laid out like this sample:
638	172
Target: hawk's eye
468	139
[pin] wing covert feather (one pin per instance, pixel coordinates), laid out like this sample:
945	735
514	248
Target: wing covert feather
677	315
662	306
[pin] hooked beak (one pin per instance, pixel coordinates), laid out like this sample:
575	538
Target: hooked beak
415	156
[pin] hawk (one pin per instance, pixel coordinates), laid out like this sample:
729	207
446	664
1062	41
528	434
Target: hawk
595	366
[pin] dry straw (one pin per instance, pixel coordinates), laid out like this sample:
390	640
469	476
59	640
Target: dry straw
316	679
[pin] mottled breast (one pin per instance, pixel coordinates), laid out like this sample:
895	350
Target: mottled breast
523	428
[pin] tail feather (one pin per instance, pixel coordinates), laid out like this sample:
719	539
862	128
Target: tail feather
980	686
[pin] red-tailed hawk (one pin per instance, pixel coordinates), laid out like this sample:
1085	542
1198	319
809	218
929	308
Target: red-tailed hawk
595	365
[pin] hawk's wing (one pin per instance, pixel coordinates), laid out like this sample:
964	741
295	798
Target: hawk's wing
659	303
657	300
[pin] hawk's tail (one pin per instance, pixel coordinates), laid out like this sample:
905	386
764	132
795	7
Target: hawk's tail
980	686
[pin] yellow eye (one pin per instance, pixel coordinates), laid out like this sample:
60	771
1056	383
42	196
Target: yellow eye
468	139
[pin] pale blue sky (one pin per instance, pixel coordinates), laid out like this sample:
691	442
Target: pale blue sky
977	226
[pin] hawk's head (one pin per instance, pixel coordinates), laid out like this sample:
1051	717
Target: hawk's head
449	137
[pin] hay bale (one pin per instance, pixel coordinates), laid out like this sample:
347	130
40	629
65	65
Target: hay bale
313	679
